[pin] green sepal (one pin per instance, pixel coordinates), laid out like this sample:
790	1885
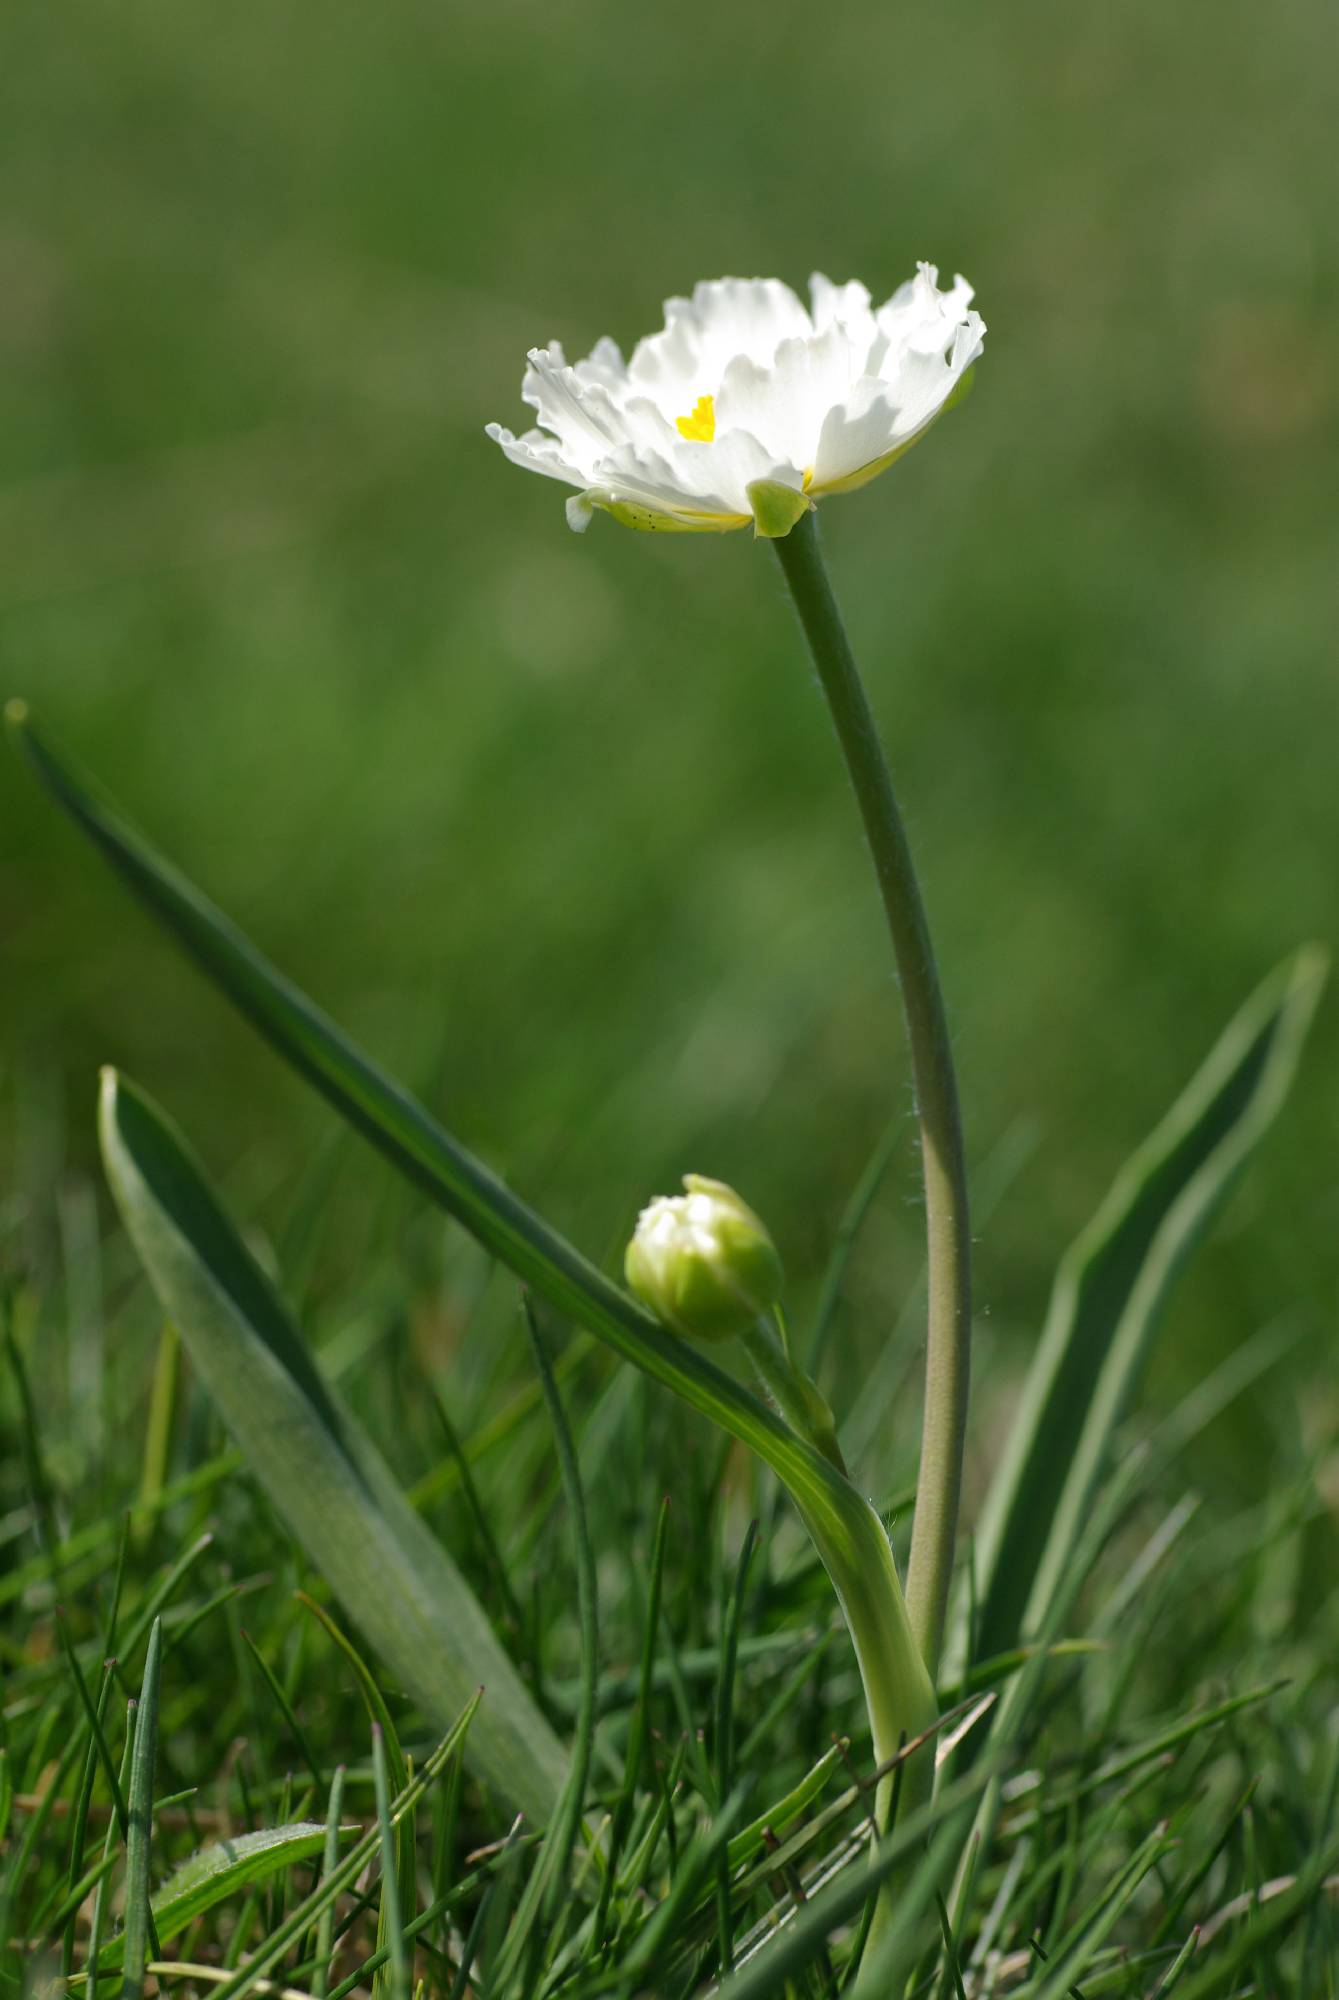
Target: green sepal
776	508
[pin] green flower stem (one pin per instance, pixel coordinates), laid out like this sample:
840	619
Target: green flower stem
899	1693
795	1396
947	1228
853	1545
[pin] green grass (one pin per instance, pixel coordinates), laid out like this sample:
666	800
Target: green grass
1175	1767
556	829
1118	1815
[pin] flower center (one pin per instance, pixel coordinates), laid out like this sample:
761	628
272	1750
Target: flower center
699	427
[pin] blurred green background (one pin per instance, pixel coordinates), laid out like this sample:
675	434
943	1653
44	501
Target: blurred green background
556	825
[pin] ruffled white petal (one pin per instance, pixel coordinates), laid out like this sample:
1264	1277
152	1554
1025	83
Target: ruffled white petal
786	400
686	480
847	306
724	317
538	453
815	399
856	433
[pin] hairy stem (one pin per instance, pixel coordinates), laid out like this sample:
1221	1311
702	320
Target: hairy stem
946	1218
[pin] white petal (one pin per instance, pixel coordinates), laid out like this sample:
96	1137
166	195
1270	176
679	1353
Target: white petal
750	315
691	481
604	364
785	402
538	453
724	317
857	432
919	318
849	303
926	381
582	415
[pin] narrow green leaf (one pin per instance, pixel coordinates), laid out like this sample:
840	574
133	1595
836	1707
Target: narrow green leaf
221	1869
1078	1952
373	1699
1111	1292
1172	1977
285	1706
638	1728
779	1815
483	1527
380	1718
410	1138
563	1832
164	1589
390	1926
549	1881
325	1923
725	1738
85	1794
139	1837
100	1896
158	1436
93	1717
321	1472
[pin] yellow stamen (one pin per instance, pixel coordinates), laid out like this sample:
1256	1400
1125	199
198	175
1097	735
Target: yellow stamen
700	426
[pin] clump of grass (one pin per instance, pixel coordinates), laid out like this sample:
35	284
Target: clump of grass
1164	1816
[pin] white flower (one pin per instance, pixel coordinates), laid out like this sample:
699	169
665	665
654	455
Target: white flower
745	385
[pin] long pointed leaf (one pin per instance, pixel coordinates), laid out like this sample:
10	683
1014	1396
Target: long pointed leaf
1110	1294
401	1129
320	1470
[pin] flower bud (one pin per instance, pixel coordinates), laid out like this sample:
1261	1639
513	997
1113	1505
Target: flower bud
703	1262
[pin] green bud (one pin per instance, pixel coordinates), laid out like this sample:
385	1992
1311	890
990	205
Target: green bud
703	1261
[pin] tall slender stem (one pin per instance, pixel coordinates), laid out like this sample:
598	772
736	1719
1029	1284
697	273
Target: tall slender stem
947	1227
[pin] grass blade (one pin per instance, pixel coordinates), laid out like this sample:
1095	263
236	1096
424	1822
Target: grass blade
1110	1294
562	1838
139	1812
325	1924
221	1869
725	1737
320	1471
82	1802
158	1437
549	1881
100	1895
380	1718
284	1705
638	1728
391	1925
